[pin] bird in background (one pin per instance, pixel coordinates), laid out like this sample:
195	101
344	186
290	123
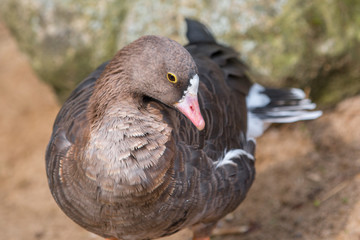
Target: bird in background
162	137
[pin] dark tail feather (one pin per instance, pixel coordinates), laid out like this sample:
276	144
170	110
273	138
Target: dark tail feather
198	33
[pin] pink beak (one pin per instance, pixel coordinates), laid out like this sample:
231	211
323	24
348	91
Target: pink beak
189	106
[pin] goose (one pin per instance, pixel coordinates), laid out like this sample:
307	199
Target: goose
162	137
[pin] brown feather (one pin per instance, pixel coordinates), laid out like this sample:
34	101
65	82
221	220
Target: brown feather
123	163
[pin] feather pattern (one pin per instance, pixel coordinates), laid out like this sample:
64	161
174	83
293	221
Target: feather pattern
123	163
269	105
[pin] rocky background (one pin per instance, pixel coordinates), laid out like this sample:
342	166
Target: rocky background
312	44
308	174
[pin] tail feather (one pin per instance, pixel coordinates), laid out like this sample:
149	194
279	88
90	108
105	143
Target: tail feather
268	105
198	33
265	105
291	94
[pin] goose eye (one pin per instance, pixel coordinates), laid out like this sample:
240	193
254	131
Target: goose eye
172	77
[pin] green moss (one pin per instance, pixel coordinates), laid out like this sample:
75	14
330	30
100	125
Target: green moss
312	44
317	203
336	81
69	73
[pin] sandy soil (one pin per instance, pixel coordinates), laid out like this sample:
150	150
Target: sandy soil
307	185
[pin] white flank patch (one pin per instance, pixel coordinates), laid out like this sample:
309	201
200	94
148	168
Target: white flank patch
233	154
255	98
256	127
192	88
298	92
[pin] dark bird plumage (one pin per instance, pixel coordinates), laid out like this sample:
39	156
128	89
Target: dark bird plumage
125	162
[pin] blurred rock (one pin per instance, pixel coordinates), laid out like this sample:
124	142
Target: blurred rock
312	44
65	40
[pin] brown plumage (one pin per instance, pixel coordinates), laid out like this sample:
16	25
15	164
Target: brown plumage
124	163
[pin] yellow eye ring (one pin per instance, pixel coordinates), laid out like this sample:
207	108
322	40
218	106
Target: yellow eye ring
171	77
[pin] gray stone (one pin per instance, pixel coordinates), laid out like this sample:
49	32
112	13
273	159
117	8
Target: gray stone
313	44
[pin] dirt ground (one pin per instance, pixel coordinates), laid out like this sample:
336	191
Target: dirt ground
307	185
